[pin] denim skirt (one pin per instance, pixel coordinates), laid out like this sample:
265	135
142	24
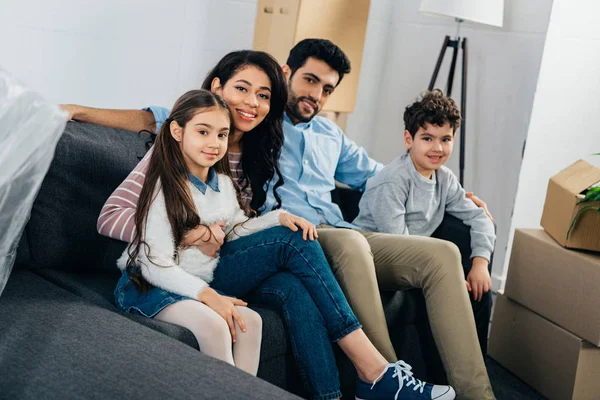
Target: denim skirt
129	299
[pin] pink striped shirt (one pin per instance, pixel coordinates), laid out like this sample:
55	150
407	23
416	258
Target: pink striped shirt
117	217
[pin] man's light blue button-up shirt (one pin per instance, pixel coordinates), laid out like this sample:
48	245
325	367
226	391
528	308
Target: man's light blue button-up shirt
315	155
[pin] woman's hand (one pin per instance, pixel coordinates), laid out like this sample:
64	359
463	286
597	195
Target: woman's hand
480	203
201	237
225	307
478	280
293	222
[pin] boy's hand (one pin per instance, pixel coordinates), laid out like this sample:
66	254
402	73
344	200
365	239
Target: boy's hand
294	222
479	280
480	203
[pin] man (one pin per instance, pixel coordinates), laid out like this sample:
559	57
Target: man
316	153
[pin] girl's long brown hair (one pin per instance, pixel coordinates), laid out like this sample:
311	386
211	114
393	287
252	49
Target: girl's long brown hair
168	165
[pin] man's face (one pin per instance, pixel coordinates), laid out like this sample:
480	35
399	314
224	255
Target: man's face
309	89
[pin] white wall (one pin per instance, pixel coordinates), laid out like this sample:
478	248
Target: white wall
120	53
364	120
563	125
503	70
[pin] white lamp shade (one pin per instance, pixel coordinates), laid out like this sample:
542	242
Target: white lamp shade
488	12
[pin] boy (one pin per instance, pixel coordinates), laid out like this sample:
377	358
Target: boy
411	194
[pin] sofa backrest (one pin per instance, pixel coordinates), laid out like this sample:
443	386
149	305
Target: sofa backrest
89	163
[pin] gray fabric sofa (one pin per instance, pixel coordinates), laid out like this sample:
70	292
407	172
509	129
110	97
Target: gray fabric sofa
62	337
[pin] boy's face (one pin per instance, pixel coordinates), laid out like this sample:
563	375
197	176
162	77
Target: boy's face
309	89
430	148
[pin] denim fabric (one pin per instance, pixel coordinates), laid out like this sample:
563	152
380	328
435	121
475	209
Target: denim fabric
213	181
310	342
246	262
129	299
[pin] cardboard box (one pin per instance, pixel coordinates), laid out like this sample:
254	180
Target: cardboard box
564	191
280	24
561	285
555	362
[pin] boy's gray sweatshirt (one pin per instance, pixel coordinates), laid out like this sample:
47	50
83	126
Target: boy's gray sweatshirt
400	200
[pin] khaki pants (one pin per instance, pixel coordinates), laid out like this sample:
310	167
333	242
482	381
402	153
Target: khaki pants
365	262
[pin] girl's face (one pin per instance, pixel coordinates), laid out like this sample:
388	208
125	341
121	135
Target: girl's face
203	140
248	95
430	148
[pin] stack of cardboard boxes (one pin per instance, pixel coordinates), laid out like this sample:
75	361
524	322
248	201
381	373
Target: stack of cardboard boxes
546	325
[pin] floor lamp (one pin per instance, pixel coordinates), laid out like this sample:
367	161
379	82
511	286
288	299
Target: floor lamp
488	12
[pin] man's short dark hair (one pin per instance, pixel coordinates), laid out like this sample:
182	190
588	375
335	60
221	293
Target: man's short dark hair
321	49
434	108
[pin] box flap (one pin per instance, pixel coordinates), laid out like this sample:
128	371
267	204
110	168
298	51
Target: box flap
577	177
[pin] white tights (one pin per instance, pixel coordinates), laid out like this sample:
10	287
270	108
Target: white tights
212	332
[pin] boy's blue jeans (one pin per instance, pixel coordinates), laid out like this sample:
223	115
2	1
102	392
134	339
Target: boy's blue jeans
307	293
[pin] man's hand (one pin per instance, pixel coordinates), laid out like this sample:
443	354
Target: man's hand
293	222
71	109
479	280
208	239
225	307
480	203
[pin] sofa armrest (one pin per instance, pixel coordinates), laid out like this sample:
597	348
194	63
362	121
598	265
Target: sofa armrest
454	230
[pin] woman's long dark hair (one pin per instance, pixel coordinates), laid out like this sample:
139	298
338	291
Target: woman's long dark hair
261	146
168	166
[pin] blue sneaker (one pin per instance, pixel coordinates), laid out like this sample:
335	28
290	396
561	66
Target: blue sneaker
397	382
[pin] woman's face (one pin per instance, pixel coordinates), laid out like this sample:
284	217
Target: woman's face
248	95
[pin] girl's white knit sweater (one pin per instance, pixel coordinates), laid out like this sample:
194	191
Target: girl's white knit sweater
193	271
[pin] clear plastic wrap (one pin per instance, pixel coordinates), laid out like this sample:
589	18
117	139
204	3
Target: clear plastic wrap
30	127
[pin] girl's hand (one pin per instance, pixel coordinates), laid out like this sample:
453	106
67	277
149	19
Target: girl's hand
293	222
202	238
479	280
225	307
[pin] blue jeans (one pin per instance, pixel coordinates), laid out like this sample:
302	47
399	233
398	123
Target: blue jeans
311	346
246	263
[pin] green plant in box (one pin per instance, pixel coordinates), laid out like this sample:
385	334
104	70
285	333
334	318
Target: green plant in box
592	194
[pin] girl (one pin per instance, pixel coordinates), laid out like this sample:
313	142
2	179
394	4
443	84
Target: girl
171	201
188	184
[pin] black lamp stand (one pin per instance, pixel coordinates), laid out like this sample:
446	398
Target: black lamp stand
456	44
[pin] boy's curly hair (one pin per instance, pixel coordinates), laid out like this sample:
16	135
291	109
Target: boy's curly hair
435	108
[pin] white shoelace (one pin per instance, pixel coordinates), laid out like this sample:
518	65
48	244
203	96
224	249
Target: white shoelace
404	373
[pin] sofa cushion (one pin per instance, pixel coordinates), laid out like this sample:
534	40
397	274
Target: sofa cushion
90	162
55	345
97	288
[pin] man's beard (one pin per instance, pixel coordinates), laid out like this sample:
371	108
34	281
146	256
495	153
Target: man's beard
293	108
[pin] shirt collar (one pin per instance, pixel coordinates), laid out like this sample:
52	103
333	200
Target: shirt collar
299	125
213	181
